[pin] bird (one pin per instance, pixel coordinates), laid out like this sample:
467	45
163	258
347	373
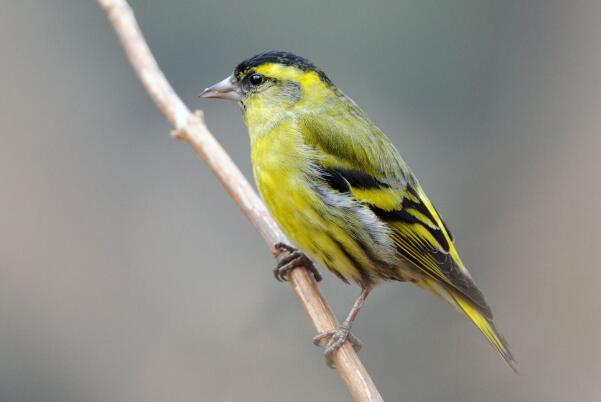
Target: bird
341	192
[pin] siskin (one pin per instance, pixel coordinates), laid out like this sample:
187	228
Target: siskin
342	193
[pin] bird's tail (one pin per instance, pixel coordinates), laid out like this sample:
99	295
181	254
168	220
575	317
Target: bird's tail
485	325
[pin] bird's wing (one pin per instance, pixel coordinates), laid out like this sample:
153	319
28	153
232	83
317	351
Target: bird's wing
355	157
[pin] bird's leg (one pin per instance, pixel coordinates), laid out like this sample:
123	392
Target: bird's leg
335	339
290	258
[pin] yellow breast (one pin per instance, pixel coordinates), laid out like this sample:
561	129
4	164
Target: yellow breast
280	166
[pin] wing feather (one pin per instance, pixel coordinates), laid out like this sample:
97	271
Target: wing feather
367	166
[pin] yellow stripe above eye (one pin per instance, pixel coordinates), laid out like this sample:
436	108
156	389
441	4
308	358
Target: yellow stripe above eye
279	71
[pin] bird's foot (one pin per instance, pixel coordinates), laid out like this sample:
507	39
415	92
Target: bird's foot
334	341
291	258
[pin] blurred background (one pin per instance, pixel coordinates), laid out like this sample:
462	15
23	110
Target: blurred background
127	274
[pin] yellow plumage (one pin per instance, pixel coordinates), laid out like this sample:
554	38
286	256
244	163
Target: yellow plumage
339	189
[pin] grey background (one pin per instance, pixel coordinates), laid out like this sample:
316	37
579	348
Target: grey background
127	274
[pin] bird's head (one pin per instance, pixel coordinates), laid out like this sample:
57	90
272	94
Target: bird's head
273	82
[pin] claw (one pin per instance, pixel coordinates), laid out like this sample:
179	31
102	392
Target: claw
293	259
334	341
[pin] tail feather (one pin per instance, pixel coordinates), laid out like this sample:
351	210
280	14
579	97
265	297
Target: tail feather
487	327
484	324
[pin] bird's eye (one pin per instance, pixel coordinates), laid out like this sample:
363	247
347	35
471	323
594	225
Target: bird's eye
256	79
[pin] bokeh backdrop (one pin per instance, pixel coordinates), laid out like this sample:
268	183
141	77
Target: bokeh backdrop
127	274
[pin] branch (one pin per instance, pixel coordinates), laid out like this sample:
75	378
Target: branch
191	128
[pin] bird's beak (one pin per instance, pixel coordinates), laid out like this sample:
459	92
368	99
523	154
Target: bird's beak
226	89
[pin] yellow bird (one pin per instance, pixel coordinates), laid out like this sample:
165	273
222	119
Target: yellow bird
342	193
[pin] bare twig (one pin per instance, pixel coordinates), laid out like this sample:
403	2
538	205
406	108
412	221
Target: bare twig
192	129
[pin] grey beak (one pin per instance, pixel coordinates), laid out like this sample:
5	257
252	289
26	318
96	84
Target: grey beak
226	89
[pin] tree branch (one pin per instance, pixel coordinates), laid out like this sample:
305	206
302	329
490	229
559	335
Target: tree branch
192	129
